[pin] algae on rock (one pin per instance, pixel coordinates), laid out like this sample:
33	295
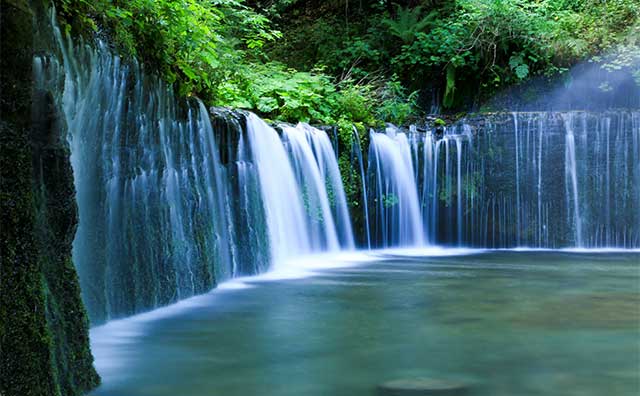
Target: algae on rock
44	341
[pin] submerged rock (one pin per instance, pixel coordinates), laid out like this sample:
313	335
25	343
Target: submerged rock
422	387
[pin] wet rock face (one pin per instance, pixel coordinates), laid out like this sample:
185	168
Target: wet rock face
44	344
230	127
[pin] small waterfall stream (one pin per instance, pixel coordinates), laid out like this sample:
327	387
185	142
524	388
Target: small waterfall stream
282	198
571	180
319	178
396	209
301	190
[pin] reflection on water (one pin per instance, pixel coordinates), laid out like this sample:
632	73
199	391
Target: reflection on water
505	323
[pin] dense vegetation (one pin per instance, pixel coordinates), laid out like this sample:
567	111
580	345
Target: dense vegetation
342	62
436	45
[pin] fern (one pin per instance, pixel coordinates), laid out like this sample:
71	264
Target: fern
408	23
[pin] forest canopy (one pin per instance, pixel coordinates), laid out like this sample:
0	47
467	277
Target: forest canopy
353	62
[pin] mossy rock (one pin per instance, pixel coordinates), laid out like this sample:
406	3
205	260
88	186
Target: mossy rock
44	339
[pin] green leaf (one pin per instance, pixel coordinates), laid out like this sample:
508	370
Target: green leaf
267	105
188	71
515	61
522	71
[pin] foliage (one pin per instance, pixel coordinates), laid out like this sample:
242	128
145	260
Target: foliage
450	87
625	57
338	62
277	92
408	23
396	105
214	49
433	46
440	122
274	90
195	43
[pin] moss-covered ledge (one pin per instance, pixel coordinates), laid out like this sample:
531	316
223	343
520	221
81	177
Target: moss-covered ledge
44	343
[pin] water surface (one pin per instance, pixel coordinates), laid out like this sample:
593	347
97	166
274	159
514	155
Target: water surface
503	322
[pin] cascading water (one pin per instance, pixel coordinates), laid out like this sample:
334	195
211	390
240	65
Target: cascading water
458	141
172	201
319	178
571	179
437	173
397	220
297	190
169	203
280	193
150	188
540	179
517	151
248	212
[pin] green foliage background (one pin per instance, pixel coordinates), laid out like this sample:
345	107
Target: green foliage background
343	62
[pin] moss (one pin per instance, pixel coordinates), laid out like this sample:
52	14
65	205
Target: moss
350	171
44	345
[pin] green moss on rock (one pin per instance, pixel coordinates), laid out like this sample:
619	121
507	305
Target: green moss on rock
44	344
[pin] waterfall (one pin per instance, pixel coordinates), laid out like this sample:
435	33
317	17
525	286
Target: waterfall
537	179
427	185
459	218
174	197
443	204
299	190
151	190
319	178
280	193
517	150
572	179
397	217
172	200
540	220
